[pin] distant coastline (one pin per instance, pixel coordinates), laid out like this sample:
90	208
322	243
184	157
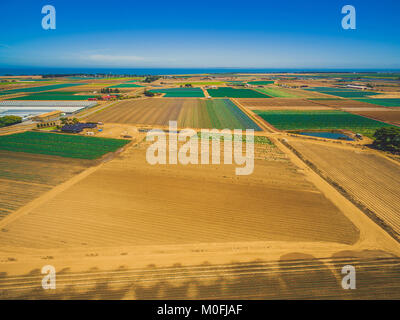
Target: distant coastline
177	71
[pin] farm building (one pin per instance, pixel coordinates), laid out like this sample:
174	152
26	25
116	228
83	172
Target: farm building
77	127
49	116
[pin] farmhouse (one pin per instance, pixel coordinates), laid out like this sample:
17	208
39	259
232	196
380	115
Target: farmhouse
53	115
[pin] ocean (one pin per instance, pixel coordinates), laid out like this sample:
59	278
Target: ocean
169	71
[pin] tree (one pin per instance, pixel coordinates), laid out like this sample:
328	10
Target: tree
387	139
149	93
9	120
149	79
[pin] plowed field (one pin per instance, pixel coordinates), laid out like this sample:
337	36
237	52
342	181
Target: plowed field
23	177
368	178
193	113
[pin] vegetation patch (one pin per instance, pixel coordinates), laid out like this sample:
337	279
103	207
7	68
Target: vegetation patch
9	120
227	92
56	95
277	93
40	89
388	139
69	146
383	102
343	92
260	83
126	85
181	92
320	119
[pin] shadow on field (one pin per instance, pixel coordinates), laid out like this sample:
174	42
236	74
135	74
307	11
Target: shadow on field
293	276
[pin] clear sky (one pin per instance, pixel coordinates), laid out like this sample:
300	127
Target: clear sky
200	34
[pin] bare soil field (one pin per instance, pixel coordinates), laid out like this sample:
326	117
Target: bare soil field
129	202
392	116
369	179
24	177
189	113
144	111
128	230
280	102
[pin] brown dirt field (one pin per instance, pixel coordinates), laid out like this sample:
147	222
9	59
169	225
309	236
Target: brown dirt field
24	177
387	115
371	179
278	102
154	206
143	111
127	230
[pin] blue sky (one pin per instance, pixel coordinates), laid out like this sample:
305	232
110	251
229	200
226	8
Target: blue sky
200	34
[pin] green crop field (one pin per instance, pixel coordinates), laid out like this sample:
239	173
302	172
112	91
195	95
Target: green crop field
40	89
321	119
202	83
126	85
277	93
343	92
55	95
181	92
351	94
218	114
383	102
63	145
227	92
260	83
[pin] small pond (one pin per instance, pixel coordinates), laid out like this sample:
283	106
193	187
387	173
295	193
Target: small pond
327	135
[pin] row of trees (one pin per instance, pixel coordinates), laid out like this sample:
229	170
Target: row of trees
148	93
9	120
46	125
109	90
69	120
387	139
149	79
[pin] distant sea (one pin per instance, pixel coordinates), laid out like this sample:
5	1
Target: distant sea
168	71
